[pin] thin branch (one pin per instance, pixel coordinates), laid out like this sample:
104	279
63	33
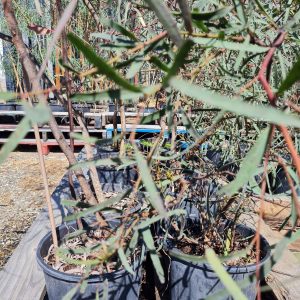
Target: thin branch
291	147
291	185
30	75
131	51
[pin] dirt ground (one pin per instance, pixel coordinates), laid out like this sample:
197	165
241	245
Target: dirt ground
22	195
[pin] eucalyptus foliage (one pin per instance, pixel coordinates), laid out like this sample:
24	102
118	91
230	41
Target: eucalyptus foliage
206	56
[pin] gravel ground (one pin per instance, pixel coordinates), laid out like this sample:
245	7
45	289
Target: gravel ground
22	195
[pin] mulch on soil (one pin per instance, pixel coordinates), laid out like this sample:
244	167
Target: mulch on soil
22	195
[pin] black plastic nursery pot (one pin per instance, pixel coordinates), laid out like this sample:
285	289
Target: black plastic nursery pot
57	108
111	107
198	280
112	175
82	108
119	284
19	107
7	107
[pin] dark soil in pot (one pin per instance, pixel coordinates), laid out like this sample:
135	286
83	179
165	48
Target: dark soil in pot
127	206
120	283
198	280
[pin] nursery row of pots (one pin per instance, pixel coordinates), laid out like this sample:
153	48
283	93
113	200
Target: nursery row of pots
59	108
185	279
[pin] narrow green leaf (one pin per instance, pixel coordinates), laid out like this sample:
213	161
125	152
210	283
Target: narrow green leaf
226	279
215	43
153	117
186	121
148	239
263	11
158	63
124	261
74	203
113	38
165	17
241	55
243	284
237	106
74	234
133	243
71	293
103	67
155	198
289	237
292	77
89	140
240	11
120	28
83	286
78	262
209	16
67	66
37	114
94	140
113	161
105	290
108	95
152	220
293	21
202	259
14	139
248	165
134	68
97	207
179	60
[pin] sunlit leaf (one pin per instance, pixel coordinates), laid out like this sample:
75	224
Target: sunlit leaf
225	278
98	207
165	17
108	96
120	28
209	16
292	77
38	114
240	11
113	161
144	170
158	63
124	261
153	117
216	43
103	67
248	165
236	105
179	60
148	239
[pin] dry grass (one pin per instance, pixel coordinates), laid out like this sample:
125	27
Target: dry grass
22	195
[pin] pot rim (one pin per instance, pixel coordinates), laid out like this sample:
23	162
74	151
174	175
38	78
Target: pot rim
249	268
73	277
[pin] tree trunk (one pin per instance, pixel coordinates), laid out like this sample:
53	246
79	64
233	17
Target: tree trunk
30	73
